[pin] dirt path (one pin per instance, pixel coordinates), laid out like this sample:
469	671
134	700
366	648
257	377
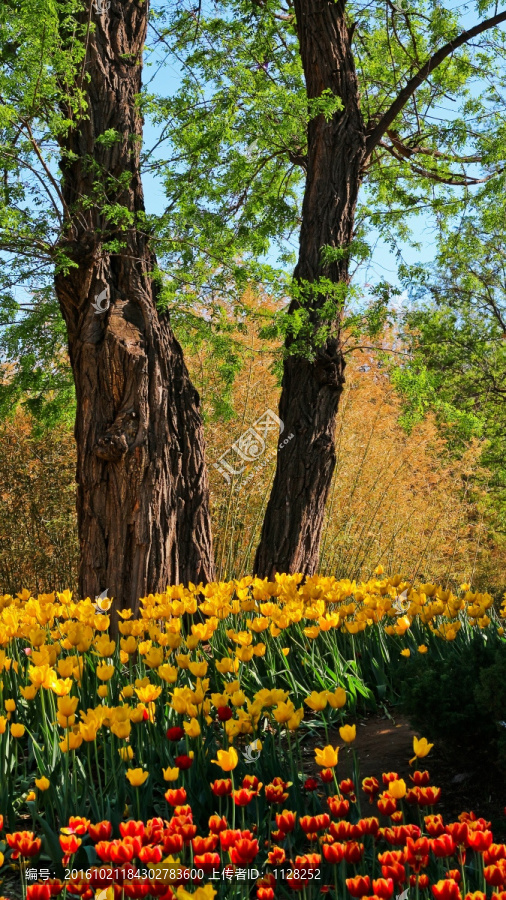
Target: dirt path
467	781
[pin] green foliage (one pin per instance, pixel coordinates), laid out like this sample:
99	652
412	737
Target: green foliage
454	331
441	694
230	153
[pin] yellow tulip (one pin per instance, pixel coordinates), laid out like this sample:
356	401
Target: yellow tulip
29	692
67	706
171	774
167	673
3	724
283	712
227	759
66	666
397	789
192	728
17	730
31	796
105	672
121	729
42	676
137	777
422	648
326	758
62	686
202	893
317	701
88	731
198	669
71	741
126	753
105	646
421	748
227	665
406	652
348	733
128	645
336	699
42	783
148	693
154	657
10	705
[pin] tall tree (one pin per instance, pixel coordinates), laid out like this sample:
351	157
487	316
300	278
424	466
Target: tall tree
274	102
374	79
142	488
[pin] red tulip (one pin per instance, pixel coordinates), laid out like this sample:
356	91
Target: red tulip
420	778
480	840
387	777
417	853
347	786
38	892
395	871
100	832
339	807
383	887
340	831
369	826
353	852
285	821
310	784
175	796
131	828
24	844
276	857
460	833
221	787
207	861
217	824
333	853
434	825
446	890
70	843
494	852
172	843
244	851
371	787
359	885
150	854
442	846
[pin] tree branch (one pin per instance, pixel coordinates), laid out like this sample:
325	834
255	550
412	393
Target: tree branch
451	178
414	83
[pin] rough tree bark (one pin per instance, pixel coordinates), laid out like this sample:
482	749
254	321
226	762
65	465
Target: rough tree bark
291	531
143	497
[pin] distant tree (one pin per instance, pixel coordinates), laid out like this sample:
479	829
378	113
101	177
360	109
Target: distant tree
455	334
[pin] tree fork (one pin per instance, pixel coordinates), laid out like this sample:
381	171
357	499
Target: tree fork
143	494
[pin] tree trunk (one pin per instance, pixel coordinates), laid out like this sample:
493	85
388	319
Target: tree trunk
143	496
291	531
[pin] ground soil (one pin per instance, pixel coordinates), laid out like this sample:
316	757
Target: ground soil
468	779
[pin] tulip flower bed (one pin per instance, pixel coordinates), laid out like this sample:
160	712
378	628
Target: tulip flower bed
148	764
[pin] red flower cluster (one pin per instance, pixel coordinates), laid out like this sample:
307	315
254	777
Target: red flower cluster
431	856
